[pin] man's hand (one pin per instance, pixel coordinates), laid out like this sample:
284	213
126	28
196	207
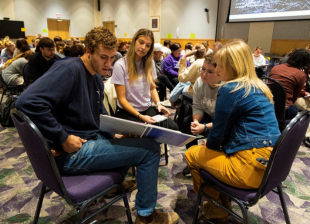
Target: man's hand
163	109
73	144
197	128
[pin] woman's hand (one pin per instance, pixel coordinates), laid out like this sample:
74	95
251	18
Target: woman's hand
197	128
163	109
147	119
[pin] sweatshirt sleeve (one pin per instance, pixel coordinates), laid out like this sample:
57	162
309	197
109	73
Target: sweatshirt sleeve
169	66
197	108
43	96
187	73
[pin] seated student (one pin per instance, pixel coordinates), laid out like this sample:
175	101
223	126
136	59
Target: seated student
204	99
40	62
259	60
162	80
21	47
60	49
171	63
122	47
77	50
8	50
244	117
12	72
134	79
166	48
293	78
216	46
69	119
208	50
188	75
188	49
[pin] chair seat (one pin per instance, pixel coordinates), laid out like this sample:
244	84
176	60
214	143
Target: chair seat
82	187
243	194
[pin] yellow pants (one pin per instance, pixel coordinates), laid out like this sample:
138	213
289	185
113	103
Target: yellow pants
239	169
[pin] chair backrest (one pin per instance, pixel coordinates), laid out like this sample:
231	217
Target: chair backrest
284	153
25	74
39	153
279	98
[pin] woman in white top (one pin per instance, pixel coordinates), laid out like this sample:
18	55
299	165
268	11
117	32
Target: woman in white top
208	50
134	79
259	61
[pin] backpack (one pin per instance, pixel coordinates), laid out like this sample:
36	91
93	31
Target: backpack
183	111
5	108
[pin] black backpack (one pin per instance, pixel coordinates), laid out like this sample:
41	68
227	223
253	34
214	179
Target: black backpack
184	110
5	108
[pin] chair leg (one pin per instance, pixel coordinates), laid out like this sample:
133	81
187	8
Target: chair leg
280	192
3	93
127	207
166	153
197	206
133	169
39	205
244	211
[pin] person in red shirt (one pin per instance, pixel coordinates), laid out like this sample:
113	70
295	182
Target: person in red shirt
293	78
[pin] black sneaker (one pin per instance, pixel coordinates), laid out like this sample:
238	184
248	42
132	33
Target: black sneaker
186	172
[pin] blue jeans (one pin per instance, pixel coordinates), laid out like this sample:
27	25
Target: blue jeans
180	88
105	154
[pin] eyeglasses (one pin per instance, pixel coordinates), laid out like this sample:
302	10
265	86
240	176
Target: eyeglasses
203	70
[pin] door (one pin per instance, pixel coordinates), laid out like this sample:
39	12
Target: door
110	25
57	27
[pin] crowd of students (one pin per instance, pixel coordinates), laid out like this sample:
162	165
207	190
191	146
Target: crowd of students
232	107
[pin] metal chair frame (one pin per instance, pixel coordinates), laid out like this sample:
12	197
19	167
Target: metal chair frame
245	204
19	116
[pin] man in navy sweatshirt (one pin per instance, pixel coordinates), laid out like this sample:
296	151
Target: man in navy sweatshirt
65	104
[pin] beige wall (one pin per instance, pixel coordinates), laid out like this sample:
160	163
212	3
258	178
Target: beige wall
155	10
97	16
7	9
260	34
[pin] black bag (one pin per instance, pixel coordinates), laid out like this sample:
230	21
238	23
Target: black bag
5	108
184	111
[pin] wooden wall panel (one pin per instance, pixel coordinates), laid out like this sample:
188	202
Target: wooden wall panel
280	47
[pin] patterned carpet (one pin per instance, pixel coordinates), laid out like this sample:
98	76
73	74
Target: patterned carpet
19	189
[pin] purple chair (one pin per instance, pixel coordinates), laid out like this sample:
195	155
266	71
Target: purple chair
278	168
279	98
79	190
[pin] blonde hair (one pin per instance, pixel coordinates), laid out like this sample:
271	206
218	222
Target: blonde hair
25	55
7	42
235	58
147	60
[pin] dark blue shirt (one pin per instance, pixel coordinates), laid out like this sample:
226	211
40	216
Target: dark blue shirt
66	100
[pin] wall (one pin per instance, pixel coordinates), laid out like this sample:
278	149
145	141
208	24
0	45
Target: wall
129	15
230	30
35	13
7	9
189	17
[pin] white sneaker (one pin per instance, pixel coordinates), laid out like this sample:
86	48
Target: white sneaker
166	103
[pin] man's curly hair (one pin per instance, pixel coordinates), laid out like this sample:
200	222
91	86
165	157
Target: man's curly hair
97	36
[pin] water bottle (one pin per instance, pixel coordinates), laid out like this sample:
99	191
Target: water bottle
4	57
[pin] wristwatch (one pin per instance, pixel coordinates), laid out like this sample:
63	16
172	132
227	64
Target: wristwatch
206	128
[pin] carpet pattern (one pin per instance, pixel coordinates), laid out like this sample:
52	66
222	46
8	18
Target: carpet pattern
19	190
